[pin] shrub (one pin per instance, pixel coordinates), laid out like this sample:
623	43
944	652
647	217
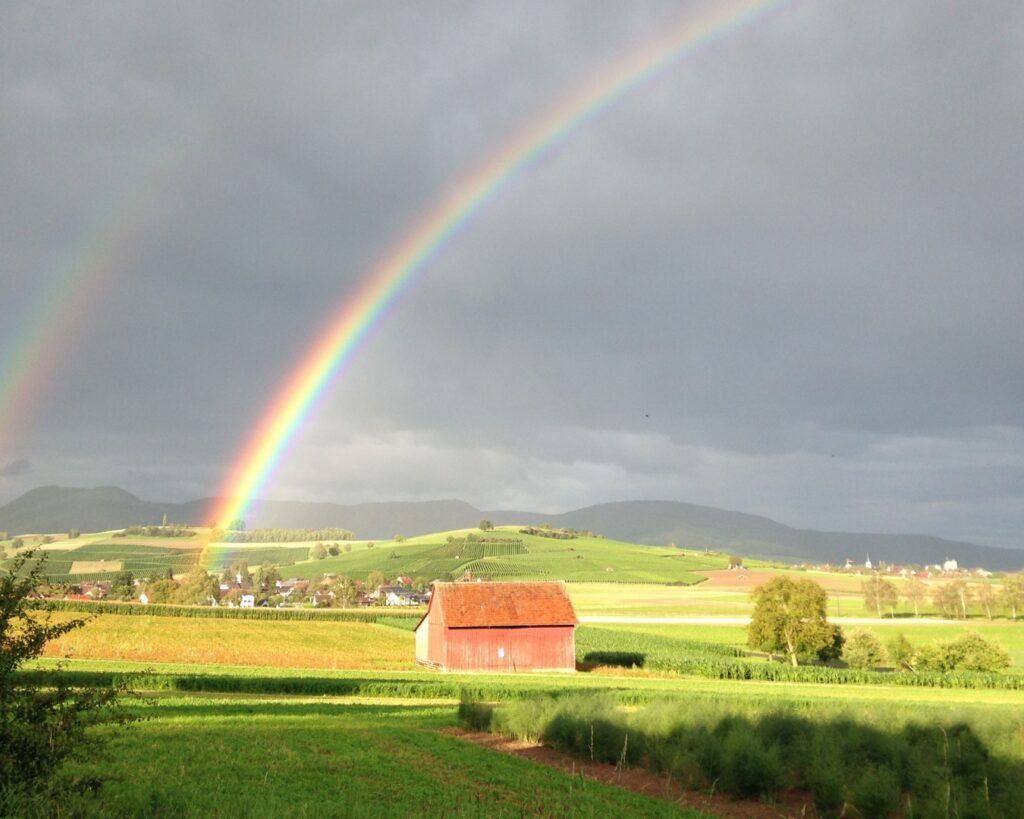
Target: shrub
748	767
475	715
877	793
42	720
863	650
969	652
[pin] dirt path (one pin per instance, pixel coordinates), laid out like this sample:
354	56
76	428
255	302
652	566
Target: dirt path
790	805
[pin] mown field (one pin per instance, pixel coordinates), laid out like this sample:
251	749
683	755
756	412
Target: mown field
296	756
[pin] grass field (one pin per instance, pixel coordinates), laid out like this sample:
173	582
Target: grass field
242	756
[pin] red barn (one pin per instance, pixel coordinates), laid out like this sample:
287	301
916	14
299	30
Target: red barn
498	627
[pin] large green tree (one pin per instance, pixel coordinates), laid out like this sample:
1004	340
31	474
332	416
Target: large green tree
789	618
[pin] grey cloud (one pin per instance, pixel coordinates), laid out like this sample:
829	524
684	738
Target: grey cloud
799	242
21	466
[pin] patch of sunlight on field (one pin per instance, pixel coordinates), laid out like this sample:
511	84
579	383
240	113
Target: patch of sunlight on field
89	566
642	600
195	641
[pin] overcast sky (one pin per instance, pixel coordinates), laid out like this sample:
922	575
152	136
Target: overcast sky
784	277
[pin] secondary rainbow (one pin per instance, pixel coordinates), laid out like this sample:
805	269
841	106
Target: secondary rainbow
344	335
129	213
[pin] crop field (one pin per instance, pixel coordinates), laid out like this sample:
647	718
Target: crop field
304	644
1008	634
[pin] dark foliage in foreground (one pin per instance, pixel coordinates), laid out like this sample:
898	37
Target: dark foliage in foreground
911	769
42	720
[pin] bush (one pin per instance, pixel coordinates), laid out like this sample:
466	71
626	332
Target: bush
969	652
877	794
863	650
42	720
748	767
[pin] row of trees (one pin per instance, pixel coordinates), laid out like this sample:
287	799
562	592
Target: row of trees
953	599
789	618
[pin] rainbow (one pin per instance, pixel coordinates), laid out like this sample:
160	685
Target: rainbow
399	268
136	210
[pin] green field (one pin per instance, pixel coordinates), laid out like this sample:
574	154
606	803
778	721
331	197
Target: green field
295	756
263	713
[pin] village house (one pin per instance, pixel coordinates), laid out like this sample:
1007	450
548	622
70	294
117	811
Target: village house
498	627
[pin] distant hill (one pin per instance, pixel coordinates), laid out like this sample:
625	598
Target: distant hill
57	509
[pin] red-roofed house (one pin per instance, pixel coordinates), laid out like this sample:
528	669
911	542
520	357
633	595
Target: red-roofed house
498	627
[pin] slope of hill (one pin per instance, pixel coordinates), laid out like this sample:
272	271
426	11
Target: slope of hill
55	509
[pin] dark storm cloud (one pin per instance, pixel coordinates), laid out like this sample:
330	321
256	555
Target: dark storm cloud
782	277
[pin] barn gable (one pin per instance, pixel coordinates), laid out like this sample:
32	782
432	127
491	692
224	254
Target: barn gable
498	626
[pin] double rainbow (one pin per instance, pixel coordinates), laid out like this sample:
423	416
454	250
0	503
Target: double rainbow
349	329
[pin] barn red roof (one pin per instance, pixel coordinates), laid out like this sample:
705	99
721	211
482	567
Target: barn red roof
468	605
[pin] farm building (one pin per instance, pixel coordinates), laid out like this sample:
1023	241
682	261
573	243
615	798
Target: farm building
498	627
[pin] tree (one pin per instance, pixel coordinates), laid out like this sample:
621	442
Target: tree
399	538
345	591
198	589
237	525
375	580
789	618
318	552
162	591
123	587
486	526
40	724
1012	595
267	576
985	594
334	550
951	599
863	650
901	653
879	592
915	593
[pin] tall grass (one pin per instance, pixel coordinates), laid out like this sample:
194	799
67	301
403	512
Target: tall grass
876	766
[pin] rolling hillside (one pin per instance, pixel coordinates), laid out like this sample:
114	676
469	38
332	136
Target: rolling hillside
55	509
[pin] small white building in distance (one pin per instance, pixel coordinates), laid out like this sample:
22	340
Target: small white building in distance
949	565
